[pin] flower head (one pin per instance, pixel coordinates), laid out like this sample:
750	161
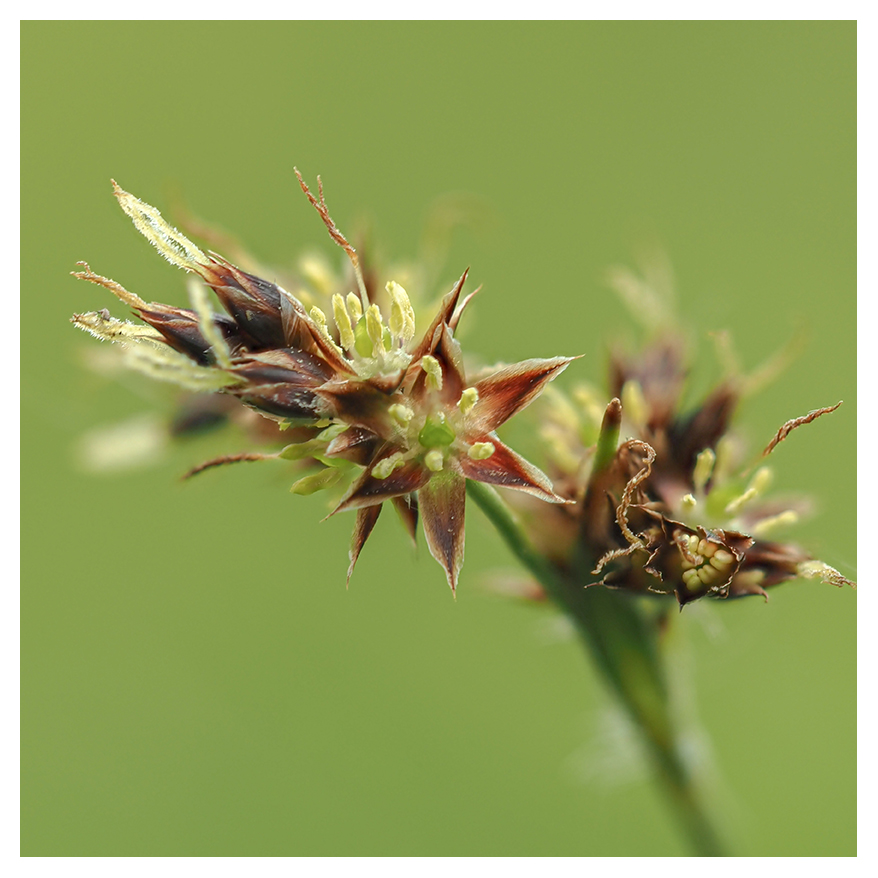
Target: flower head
664	501
362	386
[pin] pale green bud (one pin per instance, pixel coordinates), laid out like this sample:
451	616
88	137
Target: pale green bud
326	478
362	344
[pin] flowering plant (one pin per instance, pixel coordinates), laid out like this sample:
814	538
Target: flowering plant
644	499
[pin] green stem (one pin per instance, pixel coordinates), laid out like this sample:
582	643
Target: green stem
624	644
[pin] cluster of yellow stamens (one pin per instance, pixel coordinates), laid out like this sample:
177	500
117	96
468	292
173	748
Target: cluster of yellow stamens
703	562
373	347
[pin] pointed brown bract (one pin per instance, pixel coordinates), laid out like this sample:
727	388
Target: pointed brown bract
509	390
442	502
253	303
355	444
506	469
366	518
407	507
367	490
430	338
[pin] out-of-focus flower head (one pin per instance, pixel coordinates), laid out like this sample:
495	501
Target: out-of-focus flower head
364	395
664	501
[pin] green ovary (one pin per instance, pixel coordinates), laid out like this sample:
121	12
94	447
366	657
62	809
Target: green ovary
436	433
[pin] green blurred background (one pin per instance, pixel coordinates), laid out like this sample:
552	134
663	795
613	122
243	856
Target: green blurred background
195	678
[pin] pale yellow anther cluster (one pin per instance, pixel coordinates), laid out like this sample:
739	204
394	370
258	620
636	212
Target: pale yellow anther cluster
703	562
428	431
373	347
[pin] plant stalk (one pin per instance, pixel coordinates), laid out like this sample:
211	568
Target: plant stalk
623	642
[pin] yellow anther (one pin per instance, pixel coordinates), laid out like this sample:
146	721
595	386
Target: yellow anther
688	502
718	564
736	505
762	479
385	467
355	306
468	399
481	450
402	315
319	319
375	329
722	556
434	372
690	577
708	574
592	404
343	322
561	454
634	403
725	458
758	484
434	460
704	465
774	522
402	414
317	273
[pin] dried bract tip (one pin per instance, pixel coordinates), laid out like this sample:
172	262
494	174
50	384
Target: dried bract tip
823	572
791	425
